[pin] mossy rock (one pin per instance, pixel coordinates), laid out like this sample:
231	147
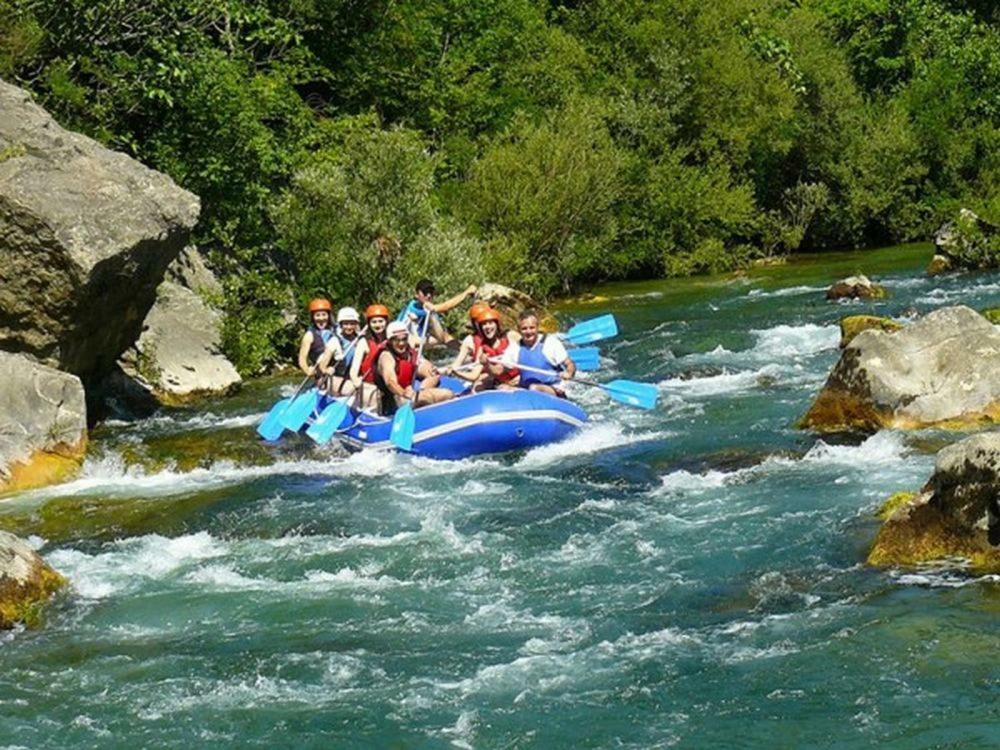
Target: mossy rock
852	325
894	502
992	314
26	583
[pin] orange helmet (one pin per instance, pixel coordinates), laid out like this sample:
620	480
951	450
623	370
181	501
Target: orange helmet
376	311
320	304
477	309
488	314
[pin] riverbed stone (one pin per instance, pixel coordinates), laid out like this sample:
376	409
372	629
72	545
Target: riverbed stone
967	243
86	234
852	325
943	369
510	303
856	287
43	423
26	582
956	515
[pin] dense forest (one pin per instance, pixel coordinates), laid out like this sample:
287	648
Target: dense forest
347	147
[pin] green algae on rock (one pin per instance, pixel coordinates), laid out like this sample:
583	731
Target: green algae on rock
953	516
992	314
942	370
852	325
856	287
26	583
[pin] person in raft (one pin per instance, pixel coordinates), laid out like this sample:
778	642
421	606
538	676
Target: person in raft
488	345
422	304
468	344
362	372
315	342
539	352
397	368
345	351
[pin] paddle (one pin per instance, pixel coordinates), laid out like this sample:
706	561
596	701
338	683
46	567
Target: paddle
404	422
586	358
299	410
629	392
588	331
327	422
270	428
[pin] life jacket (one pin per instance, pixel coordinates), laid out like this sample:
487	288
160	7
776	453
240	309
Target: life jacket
321	337
406	367
479	345
375	347
535	358
344	366
412	308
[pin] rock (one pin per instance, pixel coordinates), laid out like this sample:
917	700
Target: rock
955	515
26	582
510	303
43	423
190	270
939	264
856	287
85	237
993	315
852	325
943	369
178	356
970	242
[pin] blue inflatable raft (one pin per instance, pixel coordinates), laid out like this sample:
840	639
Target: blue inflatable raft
473	424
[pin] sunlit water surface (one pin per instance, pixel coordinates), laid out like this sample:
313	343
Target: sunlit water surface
687	577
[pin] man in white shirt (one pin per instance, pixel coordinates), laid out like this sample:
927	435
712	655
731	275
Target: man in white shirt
542	360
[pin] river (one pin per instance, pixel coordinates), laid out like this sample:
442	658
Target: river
688	577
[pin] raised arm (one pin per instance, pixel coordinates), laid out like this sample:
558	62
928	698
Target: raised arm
448	304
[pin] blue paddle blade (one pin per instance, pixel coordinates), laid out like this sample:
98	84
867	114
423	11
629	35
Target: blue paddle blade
328	422
299	410
586	359
641	395
595	329
403	425
270	428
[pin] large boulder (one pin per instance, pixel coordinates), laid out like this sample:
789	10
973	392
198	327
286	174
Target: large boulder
26	582
510	303
178	356
970	242
942	369
85	237
955	515
856	287
43	423
852	325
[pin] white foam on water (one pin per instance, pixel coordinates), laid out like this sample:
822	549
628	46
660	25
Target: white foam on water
683	481
788	291
128	563
594	437
783	342
722	384
885	447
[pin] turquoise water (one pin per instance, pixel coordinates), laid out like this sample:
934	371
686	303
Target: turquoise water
690	577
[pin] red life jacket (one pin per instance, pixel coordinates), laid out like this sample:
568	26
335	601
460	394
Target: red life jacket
368	363
406	367
479	345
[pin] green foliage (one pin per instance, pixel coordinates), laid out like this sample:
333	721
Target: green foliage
347	148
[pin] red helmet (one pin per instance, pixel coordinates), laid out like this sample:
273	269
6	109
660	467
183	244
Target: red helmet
319	304
376	311
488	314
477	309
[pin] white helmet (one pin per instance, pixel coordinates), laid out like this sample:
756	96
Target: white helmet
348	315
395	328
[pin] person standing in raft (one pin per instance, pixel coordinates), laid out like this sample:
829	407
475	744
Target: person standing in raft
539	352
362	372
346	351
316	340
398	369
489	344
422	304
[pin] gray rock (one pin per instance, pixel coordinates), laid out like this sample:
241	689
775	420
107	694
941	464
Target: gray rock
511	302
178	355
955	515
85	237
43	423
25	581
970	242
190	270
855	287
943	369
